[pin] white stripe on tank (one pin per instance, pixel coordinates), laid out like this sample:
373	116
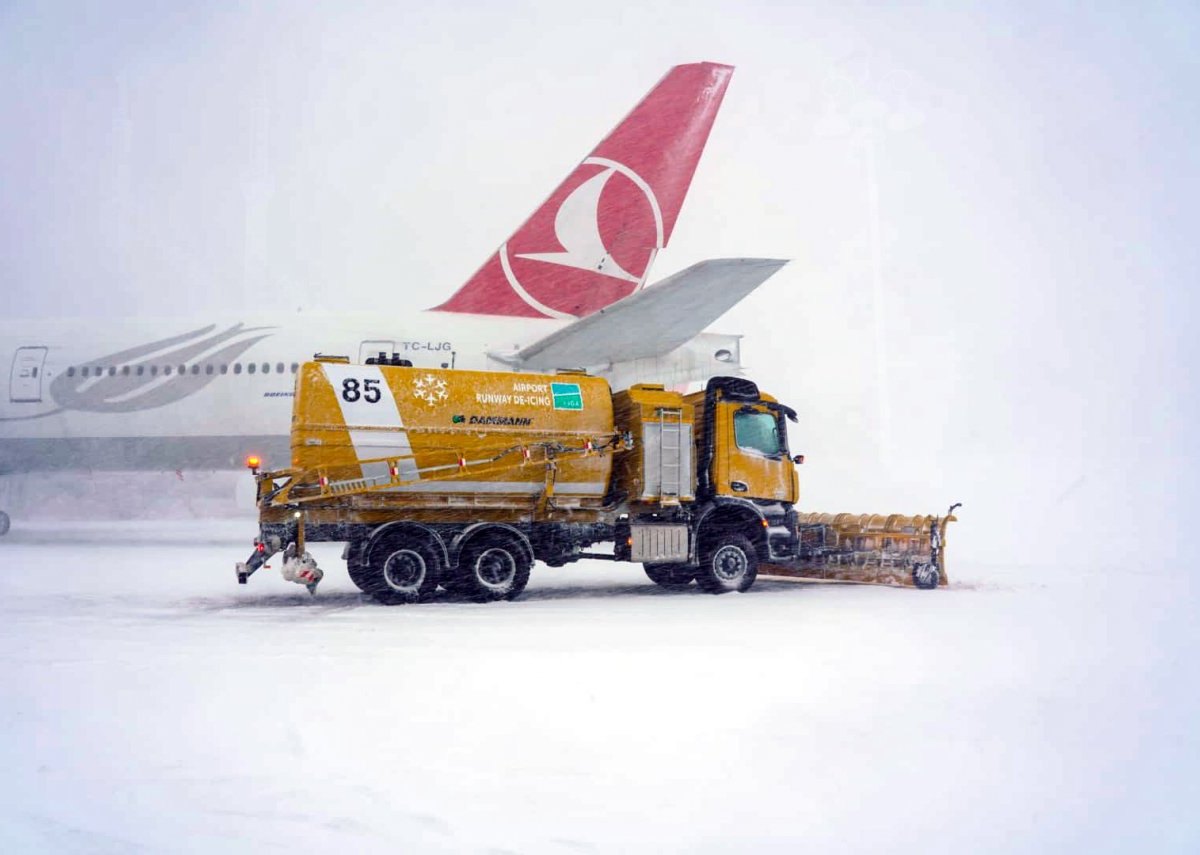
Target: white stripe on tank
385	436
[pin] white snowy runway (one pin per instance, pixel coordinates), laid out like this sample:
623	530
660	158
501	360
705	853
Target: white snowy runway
150	704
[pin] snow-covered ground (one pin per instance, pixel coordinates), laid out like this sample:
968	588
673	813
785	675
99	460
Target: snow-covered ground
148	703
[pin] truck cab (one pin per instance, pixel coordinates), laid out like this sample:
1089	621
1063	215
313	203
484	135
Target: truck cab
746	481
741	444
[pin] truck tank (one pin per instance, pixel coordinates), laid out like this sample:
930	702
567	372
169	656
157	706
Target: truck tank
391	437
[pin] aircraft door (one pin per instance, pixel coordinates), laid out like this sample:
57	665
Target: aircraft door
373	347
25	381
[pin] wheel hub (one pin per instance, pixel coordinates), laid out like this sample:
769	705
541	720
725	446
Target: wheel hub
729	563
495	568
404	570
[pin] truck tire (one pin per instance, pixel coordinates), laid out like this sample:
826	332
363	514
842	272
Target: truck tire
400	569
728	562
669	575
492	568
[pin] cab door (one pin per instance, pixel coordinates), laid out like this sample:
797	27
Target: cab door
757	465
25	380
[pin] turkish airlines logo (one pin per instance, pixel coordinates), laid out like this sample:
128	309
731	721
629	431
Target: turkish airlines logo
589	245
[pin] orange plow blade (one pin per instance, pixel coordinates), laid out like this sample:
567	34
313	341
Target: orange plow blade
883	549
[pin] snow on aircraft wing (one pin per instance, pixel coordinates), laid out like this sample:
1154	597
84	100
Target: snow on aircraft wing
653	321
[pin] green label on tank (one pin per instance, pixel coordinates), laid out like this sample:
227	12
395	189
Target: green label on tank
566	396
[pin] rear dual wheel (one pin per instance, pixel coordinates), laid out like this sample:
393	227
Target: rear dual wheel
398	569
492	568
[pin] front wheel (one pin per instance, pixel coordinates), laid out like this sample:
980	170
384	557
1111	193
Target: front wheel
669	575
728	562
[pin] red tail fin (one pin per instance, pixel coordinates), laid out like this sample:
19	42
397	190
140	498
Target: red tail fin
592	242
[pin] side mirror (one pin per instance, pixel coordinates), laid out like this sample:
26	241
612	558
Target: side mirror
799	458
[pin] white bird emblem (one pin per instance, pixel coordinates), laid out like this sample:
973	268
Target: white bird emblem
577	227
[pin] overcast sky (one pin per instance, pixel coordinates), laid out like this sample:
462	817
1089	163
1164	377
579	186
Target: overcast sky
1021	340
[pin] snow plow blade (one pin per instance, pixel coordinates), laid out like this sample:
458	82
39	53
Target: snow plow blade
871	548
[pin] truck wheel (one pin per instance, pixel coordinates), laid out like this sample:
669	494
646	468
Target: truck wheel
926	576
492	569
669	575
401	570
728	562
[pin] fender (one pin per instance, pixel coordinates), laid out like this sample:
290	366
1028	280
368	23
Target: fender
423	530
471	530
719	503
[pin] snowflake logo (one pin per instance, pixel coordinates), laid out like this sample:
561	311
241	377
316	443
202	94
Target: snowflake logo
430	389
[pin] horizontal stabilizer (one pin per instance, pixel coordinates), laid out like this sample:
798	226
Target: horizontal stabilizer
653	321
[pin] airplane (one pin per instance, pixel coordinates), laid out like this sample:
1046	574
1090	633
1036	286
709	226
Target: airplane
566	290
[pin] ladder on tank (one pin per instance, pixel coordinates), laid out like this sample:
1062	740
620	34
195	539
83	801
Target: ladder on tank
670	455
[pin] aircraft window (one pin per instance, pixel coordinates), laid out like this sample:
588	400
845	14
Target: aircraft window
208	369
141	369
112	371
182	369
266	368
237	368
153	370
166	370
251	368
224	368
295	367
278	367
124	370
71	371
196	368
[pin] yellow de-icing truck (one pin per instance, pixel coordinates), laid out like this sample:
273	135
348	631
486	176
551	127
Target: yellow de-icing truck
463	479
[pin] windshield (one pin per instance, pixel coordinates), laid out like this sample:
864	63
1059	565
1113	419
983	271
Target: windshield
757	432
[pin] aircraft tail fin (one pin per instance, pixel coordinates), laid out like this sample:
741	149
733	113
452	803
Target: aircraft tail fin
593	240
